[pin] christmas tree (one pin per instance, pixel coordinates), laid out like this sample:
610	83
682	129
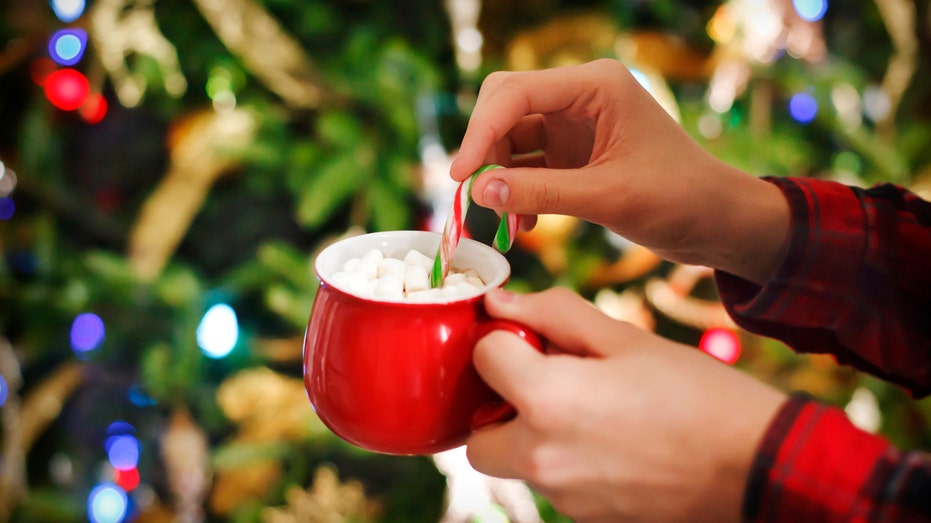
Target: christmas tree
169	169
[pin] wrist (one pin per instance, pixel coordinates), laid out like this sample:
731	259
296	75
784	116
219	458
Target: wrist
749	227
740	450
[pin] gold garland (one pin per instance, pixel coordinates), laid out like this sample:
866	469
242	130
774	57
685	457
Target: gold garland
203	148
267	50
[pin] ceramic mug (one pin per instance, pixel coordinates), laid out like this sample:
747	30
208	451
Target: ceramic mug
396	377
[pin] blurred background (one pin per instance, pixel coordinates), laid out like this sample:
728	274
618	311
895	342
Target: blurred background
169	168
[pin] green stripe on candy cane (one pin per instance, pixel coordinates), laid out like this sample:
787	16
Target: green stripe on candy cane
504	237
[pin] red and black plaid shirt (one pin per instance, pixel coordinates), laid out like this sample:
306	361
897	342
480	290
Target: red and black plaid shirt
856	283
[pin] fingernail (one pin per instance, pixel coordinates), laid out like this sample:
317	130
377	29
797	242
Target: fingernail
496	193
503	296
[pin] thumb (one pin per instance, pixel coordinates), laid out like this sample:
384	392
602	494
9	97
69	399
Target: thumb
559	315
509	365
526	190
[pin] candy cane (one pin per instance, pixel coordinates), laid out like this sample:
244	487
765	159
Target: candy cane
504	237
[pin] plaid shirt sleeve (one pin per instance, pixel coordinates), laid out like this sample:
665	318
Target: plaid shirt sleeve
856	283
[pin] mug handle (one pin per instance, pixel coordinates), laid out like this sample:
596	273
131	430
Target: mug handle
500	410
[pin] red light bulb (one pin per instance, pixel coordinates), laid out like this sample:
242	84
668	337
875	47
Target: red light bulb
721	343
66	89
127	479
94	108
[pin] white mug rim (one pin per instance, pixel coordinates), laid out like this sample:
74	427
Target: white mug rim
493	267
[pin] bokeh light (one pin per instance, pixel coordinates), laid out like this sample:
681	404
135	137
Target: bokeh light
7	208
721	343
123	451
119	428
40	69
66	47
470	40
68	10
848	105
94	108
810	10
139	398
107	503
803	107
87	331
7	180
4	391
876	103
127	479
218	331
66	89
847	163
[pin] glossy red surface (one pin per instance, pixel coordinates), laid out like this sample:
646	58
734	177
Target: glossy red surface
397	378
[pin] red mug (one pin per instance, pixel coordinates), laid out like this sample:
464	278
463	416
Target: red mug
396	377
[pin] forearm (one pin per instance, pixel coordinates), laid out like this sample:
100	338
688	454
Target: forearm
731	221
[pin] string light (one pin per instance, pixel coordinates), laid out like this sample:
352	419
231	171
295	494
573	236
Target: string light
123	451
810	10
803	107
127	479
68	10
87	331
4	391
67	89
94	108
218	331
40	68
721	343
876	103
7	208
139	398
7	179
66	47
107	503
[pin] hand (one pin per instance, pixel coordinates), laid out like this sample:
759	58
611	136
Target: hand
589	141
615	423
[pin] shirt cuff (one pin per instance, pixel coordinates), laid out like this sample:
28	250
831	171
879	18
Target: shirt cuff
814	465
826	247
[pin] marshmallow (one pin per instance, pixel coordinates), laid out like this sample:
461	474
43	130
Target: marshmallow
389	286
475	281
416	278
351	265
453	279
415	257
392	267
380	276
368	266
360	285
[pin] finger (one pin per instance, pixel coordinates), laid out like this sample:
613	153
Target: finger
491	450
541	191
526	222
528	135
504	99
533	160
560	316
508	364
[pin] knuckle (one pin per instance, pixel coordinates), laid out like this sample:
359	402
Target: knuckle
495	79
547	198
